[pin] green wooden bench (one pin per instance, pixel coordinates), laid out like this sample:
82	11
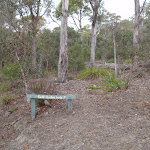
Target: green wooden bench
34	97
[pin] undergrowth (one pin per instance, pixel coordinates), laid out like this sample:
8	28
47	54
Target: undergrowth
110	83
41	86
6	100
90	74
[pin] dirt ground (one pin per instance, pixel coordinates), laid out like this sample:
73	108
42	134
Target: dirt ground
112	121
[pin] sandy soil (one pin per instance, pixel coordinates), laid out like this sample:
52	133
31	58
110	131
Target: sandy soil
112	121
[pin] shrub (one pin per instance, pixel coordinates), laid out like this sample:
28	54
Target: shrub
11	72
113	83
110	82
128	61
8	85
6	100
42	87
94	74
76	64
5	87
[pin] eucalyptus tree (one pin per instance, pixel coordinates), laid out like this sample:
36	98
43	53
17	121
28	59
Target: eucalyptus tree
145	37
137	22
28	15
136	25
35	9
96	6
63	54
77	11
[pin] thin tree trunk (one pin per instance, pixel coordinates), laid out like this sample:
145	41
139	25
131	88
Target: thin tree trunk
136	25
93	46
34	53
23	74
47	63
136	33
41	62
63	55
81	38
115	55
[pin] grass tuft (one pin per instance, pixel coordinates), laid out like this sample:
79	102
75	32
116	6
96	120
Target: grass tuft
89	74
110	83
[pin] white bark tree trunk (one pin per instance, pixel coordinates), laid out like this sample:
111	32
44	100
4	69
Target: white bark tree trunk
93	46
63	55
81	38
136	25
95	6
136	33
115	55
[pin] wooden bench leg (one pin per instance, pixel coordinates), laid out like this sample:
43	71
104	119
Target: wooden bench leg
33	108
70	105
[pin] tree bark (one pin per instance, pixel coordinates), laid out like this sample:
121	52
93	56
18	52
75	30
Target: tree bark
34	53
41	63
93	46
63	55
136	33
95	6
136	25
115	55
81	38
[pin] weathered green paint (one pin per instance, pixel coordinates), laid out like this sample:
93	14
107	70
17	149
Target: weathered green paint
33	108
70	105
34	97
50	96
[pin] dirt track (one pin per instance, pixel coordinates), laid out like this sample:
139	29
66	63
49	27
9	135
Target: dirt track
115	121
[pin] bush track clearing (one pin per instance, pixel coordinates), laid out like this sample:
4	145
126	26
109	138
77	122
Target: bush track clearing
114	121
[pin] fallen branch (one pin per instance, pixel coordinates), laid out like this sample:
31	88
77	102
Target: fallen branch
10	124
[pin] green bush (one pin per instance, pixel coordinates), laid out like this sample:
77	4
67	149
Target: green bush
113	83
108	78
5	87
6	100
110	84
89	74
128	61
76	64
11	72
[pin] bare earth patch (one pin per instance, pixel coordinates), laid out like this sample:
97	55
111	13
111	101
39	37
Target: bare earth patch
114	121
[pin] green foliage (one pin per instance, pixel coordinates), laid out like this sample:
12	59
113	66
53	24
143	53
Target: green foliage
9	84
5	87
76	62
128	61
113	84
94	73
110	82
74	8
6	100
11	72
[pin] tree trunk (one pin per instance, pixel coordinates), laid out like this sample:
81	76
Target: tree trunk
23	75
93	46
115	56
47	64
95	6
63	55
136	25
136	34
34	53
41	62
81	39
